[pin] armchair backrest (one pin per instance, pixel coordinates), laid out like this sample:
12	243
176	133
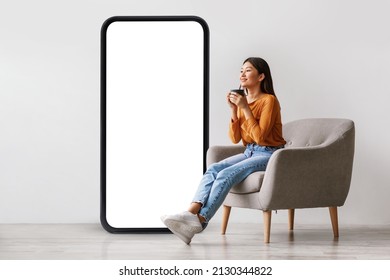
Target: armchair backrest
315	132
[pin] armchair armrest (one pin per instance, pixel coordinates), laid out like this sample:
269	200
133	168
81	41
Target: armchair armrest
218	153
308	177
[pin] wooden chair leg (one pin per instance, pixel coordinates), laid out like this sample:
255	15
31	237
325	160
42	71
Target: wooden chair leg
225	217
291	214
267	225
334	220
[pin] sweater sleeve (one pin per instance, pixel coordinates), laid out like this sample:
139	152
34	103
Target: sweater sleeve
260	126
234	131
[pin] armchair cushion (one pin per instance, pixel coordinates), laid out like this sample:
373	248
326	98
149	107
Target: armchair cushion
251	184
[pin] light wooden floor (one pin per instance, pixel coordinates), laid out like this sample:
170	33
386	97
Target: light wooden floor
242	241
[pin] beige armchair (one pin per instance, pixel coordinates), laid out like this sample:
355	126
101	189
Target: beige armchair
313	170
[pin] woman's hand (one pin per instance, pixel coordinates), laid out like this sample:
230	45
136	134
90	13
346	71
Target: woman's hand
231	104
237	100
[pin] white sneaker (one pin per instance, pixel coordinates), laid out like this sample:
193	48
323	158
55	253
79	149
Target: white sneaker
184	225
185	235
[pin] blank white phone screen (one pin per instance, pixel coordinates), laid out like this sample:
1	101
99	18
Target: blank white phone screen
154	119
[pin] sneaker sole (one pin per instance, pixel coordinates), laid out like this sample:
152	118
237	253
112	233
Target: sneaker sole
184	238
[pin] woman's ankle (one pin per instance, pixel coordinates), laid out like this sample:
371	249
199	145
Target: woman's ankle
195	207
201	219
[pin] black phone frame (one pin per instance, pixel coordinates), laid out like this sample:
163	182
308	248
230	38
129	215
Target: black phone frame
103	112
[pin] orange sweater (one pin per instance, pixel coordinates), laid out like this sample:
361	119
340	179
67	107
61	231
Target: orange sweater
265	129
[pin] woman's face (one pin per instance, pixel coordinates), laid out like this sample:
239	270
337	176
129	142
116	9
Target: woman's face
249	76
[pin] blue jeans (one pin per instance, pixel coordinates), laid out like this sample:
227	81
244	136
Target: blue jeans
220	177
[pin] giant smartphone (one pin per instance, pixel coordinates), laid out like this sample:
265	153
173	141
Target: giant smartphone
154	118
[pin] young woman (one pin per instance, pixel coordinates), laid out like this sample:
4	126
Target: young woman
256	121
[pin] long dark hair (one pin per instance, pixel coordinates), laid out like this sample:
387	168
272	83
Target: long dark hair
262	67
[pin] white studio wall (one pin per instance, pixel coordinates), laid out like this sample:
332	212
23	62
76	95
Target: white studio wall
328	59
